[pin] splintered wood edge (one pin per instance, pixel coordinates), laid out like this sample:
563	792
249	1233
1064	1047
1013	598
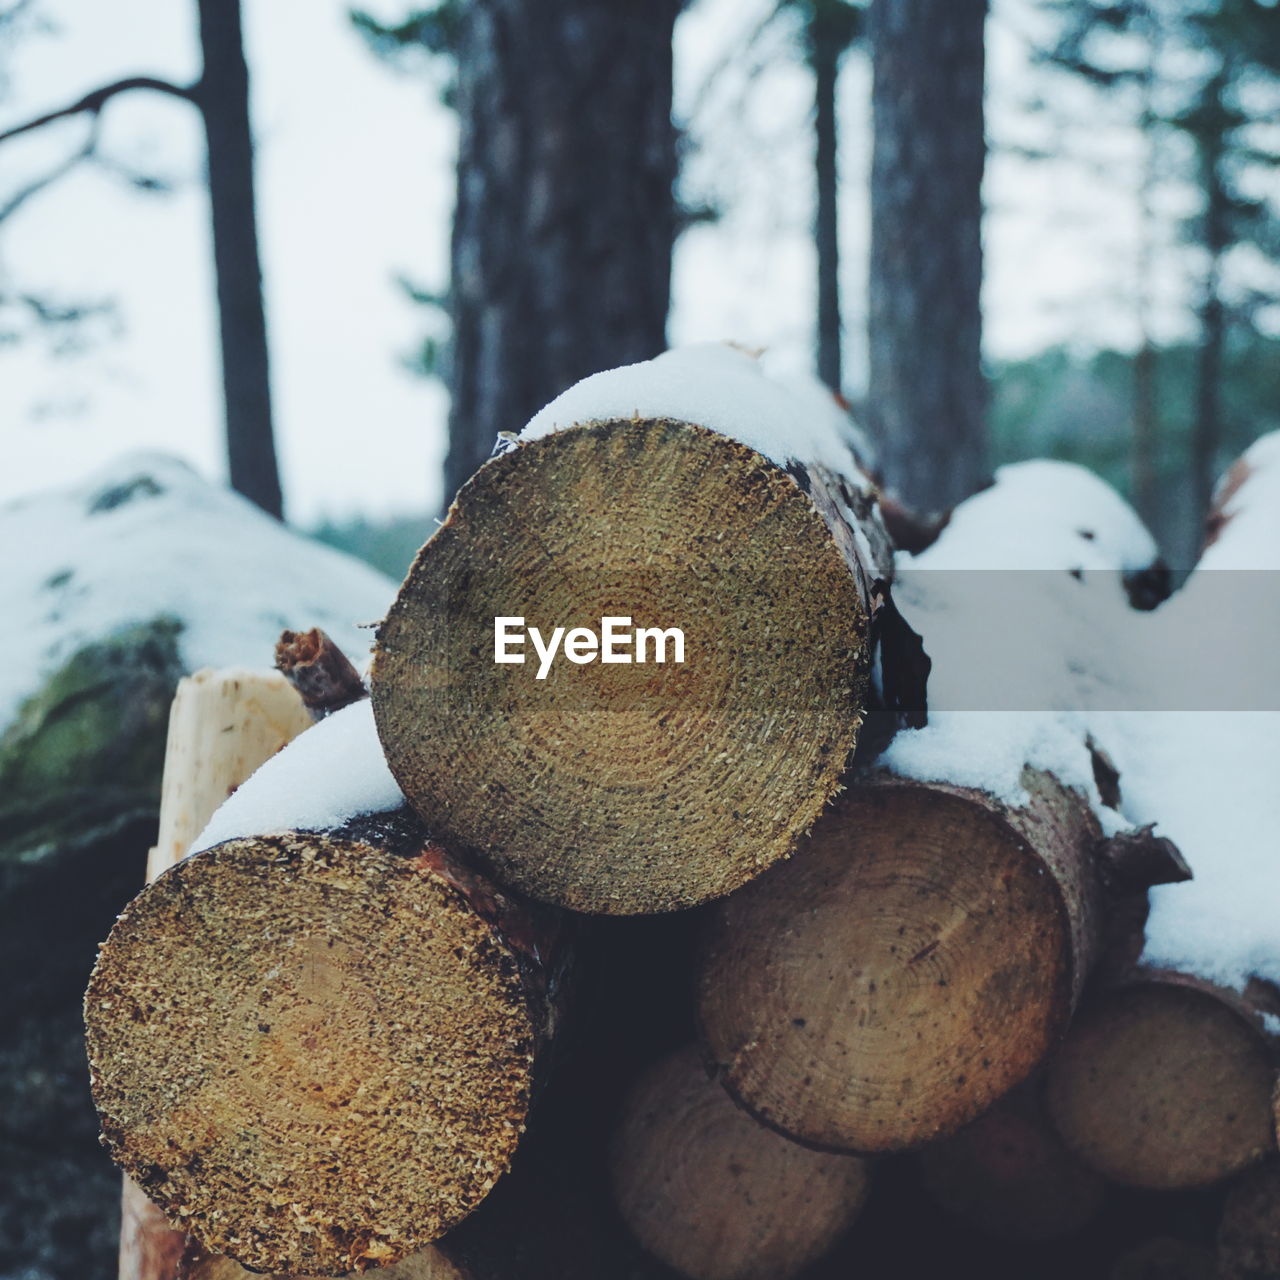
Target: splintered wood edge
623	813
333	935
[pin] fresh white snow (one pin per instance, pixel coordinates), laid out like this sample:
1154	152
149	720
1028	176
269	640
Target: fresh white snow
327	775
1205	777
716	386
1043	515
146	537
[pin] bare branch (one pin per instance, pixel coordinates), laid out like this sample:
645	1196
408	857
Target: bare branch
94	102
37	185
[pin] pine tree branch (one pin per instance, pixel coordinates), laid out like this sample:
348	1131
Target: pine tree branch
94	102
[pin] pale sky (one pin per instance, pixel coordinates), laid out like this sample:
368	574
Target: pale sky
356	186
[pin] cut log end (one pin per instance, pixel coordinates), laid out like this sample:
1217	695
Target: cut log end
714	1194
431	1264
1009	1175
917	961
1249	1233
626	787
313	1052
1163	1083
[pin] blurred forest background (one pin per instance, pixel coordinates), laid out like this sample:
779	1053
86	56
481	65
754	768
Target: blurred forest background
1043	227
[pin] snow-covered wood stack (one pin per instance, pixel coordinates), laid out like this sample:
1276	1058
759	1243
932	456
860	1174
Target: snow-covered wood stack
675	960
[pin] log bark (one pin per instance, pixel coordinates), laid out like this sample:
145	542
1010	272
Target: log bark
1008	1174
623	789
917	961
1165	1081
716	1195
322	674
335	1062
1249	1233
222	726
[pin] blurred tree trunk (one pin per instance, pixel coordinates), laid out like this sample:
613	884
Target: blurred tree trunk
1206	438
565	211
824	55
928	396
1143	477
223	98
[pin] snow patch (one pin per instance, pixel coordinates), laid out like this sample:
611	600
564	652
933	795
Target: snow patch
716	386
146	537
333	772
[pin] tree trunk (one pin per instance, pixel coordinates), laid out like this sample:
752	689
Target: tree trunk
338	1062
825	60
928	396
919	960
1144	477
223	98
715	1194
635	788
1008	1174
1165	1082
565	215
1206	439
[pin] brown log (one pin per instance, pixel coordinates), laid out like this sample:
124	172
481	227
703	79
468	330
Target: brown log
222	726
623	789
431	1264
1165	1081
716	1195
1249	1233
321	673
1009	1175
334	1062
916	961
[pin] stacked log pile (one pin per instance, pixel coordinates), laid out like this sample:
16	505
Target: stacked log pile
731	968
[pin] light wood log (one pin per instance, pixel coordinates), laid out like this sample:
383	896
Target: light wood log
1009	1175
1165	1081
617	788
333	1063
716	1195
222	726
917	960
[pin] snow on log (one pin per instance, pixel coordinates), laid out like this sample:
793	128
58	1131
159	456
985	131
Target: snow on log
916	961
333	1064
1008	1174
691	493
146	538
1165	1082
936	995
714	1194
